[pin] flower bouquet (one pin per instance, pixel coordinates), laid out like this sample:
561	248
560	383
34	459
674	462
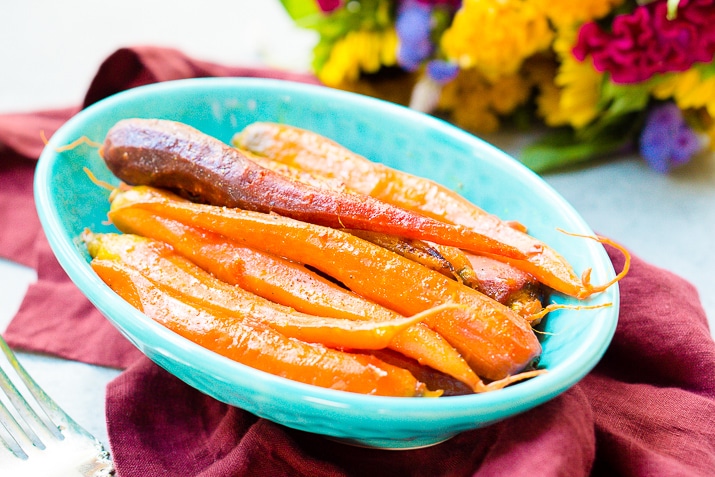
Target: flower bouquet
602	76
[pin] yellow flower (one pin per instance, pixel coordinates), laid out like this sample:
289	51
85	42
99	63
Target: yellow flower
569	12
689	90
360	51
541	70
710	133
579	87
475	103
495	36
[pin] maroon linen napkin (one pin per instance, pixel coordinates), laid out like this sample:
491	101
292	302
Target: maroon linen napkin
647	409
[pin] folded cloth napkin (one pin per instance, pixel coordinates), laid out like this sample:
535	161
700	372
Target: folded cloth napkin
647	409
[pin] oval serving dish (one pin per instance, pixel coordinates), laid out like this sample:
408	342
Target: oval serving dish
68	202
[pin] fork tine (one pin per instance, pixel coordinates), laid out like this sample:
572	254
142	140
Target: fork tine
20	437
13	433
48	406
29	431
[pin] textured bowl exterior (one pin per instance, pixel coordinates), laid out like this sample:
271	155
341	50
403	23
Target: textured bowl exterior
68	202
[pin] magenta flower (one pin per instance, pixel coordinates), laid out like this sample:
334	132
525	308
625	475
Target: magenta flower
328	6
644	42
666	140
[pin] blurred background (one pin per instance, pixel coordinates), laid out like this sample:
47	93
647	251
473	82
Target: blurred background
49	50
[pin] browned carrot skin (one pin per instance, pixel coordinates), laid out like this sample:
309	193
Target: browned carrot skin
417	250
495	341
499	280
290	284
255	344
314	153
432	379
176	156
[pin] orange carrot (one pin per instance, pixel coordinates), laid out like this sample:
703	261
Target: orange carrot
314	153
289	283
176	156
162	265
498	280
495	341
257	345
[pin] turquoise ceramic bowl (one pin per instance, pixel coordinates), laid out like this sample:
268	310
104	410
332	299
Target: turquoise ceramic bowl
68	202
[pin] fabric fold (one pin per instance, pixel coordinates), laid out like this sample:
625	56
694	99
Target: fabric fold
647	408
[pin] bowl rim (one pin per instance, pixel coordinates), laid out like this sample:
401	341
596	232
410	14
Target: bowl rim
520	396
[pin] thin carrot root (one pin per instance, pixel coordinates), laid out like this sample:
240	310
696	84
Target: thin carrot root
536	317
502	383
589	289
73	145
98	182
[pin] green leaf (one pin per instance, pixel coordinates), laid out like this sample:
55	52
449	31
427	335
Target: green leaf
561	148
672	9
706	70
300	9
624	98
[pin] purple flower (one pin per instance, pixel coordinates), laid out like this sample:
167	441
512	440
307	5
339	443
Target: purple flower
413	26
666	140
442	71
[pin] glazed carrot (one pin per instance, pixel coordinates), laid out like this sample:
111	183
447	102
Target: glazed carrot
495	341
317	154
429	255
289	283
270	276
257	345
161	264
498	280
176	156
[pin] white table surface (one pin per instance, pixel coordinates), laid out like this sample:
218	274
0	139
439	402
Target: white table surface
50	51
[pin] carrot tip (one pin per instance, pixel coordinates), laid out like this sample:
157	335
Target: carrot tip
502	383
97	182
78	142
556	306
588	288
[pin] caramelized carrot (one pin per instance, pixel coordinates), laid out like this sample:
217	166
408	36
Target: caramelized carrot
289	283
314	153
430	255
162	265
498	280
176	156
257	345
495	341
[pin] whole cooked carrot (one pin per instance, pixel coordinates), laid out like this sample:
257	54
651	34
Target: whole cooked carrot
495	341
498	280
159	263
315	153
257	345
176	156
430	255
290	284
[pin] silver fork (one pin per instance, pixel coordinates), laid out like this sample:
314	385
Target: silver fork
38	437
